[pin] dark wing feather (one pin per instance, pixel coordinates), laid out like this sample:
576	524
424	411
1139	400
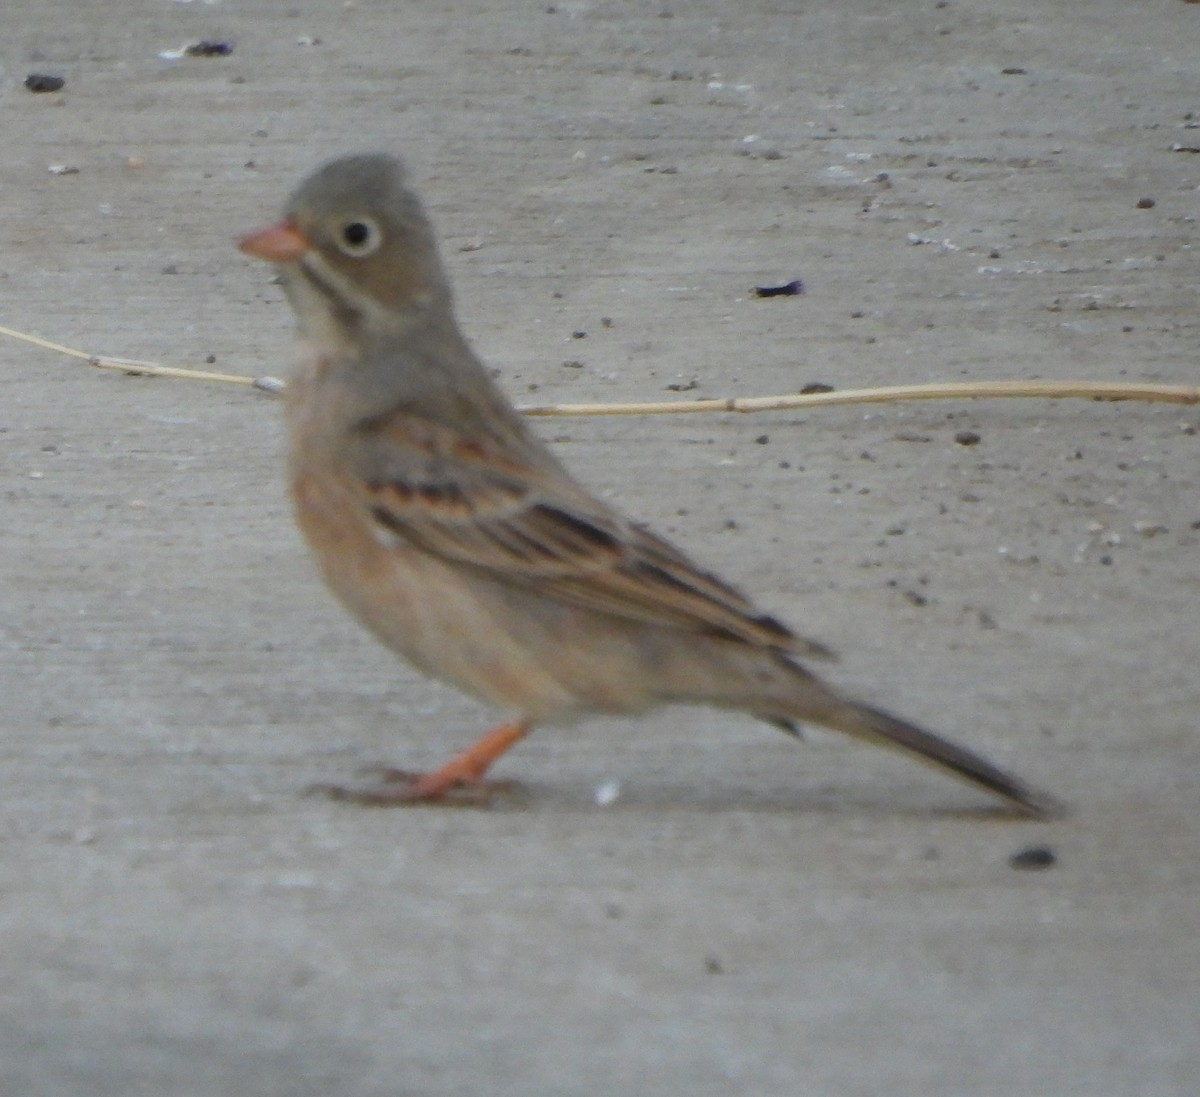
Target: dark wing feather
522	519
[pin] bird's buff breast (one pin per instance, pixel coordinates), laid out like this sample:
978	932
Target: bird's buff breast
423	609
529	655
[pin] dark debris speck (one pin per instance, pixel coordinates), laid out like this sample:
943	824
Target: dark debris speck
790	289
42	82
208	49
1033	858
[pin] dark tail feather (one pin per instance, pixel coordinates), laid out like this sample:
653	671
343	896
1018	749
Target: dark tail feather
875	725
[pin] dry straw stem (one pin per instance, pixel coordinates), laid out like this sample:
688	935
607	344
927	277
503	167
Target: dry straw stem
948	390
147	369
937	390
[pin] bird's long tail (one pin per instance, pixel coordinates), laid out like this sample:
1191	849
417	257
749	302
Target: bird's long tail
820	705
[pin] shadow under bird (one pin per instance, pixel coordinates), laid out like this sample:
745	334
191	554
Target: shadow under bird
456	537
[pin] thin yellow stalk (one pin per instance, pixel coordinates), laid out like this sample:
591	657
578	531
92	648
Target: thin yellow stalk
938	390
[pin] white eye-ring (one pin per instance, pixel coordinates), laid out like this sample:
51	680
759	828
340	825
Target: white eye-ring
359	237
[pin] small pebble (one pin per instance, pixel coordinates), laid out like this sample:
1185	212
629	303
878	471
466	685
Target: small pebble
607	793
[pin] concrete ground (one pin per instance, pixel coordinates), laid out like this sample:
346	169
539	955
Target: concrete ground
969	190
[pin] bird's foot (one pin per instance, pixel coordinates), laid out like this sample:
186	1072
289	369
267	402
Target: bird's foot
403	788
459	782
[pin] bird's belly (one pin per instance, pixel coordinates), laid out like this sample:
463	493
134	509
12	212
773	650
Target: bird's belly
511	647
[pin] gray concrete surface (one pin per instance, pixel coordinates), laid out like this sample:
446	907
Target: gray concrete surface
751	916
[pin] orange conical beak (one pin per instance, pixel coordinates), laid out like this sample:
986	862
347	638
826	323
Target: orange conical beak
281	243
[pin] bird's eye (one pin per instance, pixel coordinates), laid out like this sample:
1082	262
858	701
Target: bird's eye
359	237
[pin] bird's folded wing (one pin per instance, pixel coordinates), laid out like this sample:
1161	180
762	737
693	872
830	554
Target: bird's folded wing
524	521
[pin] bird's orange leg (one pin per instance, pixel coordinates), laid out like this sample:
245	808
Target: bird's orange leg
469	767
460	780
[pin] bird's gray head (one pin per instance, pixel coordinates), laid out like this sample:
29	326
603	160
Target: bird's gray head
355	248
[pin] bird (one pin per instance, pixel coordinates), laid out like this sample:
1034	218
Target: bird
456	536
